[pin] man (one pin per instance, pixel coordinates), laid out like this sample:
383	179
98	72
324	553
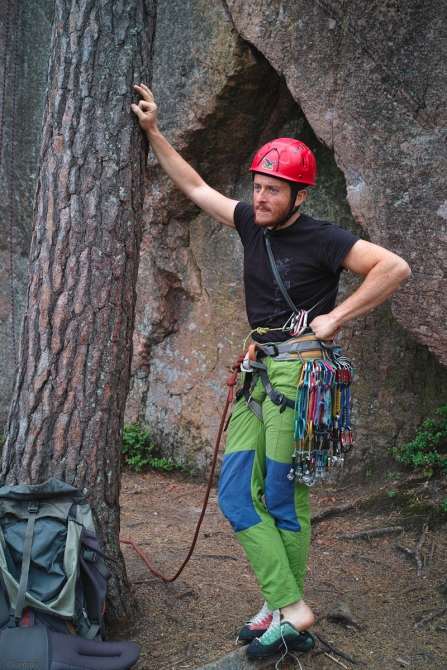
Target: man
269	512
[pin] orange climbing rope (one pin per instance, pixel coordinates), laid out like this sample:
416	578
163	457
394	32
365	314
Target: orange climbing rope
231	383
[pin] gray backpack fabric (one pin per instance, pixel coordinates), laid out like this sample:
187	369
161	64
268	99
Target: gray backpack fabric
53	577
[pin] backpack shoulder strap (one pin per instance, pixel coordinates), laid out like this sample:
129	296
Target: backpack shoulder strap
92	597
26	559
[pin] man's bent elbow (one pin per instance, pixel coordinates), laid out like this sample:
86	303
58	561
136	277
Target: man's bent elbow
401	271
404	270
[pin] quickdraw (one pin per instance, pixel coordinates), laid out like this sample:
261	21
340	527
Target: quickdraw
322	428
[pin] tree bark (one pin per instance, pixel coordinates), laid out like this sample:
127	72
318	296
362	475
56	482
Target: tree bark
67	413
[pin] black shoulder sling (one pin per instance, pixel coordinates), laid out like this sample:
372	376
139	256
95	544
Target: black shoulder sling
297	323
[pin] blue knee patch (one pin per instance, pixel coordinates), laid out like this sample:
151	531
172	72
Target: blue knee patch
235	499
280	495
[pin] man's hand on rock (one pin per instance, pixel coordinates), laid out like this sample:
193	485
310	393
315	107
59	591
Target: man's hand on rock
324	327
146	110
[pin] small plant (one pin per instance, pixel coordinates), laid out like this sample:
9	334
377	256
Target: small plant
368	473
443	505
391	494
423	452
137	451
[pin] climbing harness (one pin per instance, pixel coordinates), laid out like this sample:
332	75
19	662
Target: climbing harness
322	406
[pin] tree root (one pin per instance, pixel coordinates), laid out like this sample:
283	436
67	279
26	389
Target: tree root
416	552
335	650
341	611
429	617
336	509
373	532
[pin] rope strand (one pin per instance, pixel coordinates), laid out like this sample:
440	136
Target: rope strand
231	383
260	331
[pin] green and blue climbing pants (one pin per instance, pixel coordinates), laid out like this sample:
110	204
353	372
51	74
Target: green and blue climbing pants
269	513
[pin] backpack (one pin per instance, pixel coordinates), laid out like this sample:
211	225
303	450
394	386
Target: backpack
53	583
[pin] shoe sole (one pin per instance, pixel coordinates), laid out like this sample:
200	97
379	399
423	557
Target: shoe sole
263	651
251	635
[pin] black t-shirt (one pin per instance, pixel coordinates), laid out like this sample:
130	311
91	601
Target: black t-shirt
308	255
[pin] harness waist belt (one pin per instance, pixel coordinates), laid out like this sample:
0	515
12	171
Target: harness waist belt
306	346
295	346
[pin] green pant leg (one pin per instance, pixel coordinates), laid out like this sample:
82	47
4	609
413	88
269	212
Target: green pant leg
287	501
277	555
241	488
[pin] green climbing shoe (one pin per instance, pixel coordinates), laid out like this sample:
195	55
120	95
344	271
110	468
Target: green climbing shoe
280	635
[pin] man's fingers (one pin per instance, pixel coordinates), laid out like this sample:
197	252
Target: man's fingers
147	106
145	92
139	112
147	89
146	109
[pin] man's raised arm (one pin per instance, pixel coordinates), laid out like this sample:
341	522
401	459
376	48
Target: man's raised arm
182	174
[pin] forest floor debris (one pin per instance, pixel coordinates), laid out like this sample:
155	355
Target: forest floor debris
194	621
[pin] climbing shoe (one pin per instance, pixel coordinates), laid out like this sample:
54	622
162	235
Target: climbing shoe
257	625
280	635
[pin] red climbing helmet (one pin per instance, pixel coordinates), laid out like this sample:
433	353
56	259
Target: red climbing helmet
286	159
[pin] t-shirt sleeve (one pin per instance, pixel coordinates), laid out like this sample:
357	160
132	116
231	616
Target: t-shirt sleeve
334	244
243	214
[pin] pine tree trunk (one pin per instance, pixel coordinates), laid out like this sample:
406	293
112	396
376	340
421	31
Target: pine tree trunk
67	413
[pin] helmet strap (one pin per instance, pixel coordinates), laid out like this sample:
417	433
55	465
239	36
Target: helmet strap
295	188
286	218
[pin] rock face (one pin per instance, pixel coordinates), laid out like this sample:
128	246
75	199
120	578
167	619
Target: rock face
219	100
360	83
370	78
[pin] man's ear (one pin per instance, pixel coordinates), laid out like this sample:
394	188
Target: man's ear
300	197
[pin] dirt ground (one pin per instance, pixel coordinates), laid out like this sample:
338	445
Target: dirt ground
195	620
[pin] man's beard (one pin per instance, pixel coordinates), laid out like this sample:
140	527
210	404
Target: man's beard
274	220
262	224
